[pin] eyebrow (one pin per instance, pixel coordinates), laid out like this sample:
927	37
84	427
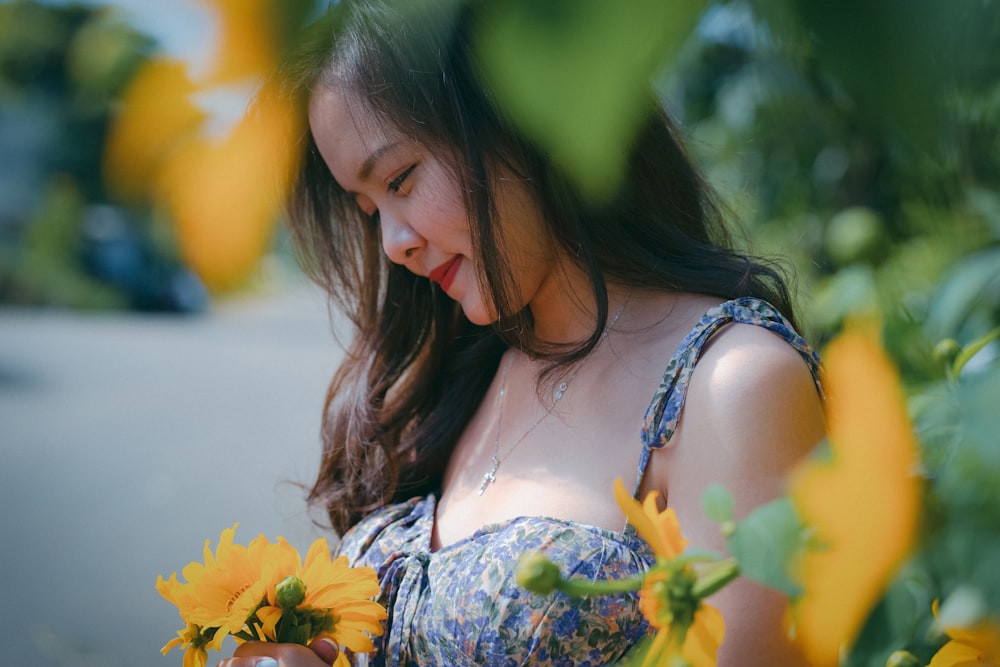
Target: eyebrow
369	164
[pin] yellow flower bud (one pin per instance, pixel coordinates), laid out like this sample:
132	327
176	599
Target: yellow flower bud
290	592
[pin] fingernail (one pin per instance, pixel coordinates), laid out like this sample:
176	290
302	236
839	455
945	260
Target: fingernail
267	662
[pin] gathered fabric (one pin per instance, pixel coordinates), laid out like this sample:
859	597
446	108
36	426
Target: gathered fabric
461	604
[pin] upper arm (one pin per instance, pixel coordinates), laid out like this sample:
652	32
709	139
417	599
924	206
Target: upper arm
752	412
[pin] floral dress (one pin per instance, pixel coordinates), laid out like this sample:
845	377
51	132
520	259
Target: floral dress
461	604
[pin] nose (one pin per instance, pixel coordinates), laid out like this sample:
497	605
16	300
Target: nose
399	240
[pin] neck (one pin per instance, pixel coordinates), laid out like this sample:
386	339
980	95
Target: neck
566	312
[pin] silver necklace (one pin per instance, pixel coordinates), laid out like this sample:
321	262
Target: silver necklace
490	475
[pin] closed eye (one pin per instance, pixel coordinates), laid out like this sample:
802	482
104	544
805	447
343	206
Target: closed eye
397	183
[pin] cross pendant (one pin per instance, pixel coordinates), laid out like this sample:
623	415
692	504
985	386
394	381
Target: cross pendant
489	477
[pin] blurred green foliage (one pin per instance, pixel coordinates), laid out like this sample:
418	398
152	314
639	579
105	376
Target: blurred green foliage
74	59
857	139
61	243
860	140
575	74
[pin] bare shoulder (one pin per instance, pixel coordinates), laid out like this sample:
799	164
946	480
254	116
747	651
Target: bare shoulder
752	411
753	390
749	366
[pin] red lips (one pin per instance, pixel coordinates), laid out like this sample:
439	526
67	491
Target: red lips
444	275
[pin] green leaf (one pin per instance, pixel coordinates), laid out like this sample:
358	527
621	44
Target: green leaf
964	290
965	468
575	74
766	542
717	503
852	290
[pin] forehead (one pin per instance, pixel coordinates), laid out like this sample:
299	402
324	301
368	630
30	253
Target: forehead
346	131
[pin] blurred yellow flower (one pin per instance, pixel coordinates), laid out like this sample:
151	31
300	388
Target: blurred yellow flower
223	191
660	529
689	631
246	47
694	646
157	116
975	645
225	194
863	503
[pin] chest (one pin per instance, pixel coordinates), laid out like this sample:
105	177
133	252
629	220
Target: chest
525	454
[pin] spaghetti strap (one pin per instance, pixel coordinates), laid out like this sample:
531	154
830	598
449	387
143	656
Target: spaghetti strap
664	411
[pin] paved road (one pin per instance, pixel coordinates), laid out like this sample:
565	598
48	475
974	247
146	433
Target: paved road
125	442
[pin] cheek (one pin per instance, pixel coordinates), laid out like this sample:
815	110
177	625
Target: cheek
442	202
521	218
442	223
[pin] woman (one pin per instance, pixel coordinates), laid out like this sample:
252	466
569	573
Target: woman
516	349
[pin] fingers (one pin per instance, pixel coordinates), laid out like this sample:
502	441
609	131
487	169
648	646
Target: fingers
321	653
252	661
326	649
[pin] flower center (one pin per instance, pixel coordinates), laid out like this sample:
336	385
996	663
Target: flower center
236	596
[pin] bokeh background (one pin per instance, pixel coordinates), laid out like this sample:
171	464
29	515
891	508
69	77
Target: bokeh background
163	362
142	408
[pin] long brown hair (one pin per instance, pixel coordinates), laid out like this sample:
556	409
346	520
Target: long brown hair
416	369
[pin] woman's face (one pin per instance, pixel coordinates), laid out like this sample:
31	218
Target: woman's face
417	203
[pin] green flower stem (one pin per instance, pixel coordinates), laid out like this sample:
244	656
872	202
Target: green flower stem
692	556
715	577
970	351
244	635
538	574
578	587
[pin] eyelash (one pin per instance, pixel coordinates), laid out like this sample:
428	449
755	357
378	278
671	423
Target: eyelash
396	183
394	186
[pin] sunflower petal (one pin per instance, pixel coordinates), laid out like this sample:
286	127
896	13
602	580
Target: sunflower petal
863	504
701	644
660	529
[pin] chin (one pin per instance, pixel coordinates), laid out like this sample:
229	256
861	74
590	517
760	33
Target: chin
478	313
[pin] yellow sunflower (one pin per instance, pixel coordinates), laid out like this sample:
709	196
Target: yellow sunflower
321	586
191	638
968	647
862	503
660	529
689	631
694	646
225	591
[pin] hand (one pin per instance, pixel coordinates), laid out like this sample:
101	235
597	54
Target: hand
320	653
